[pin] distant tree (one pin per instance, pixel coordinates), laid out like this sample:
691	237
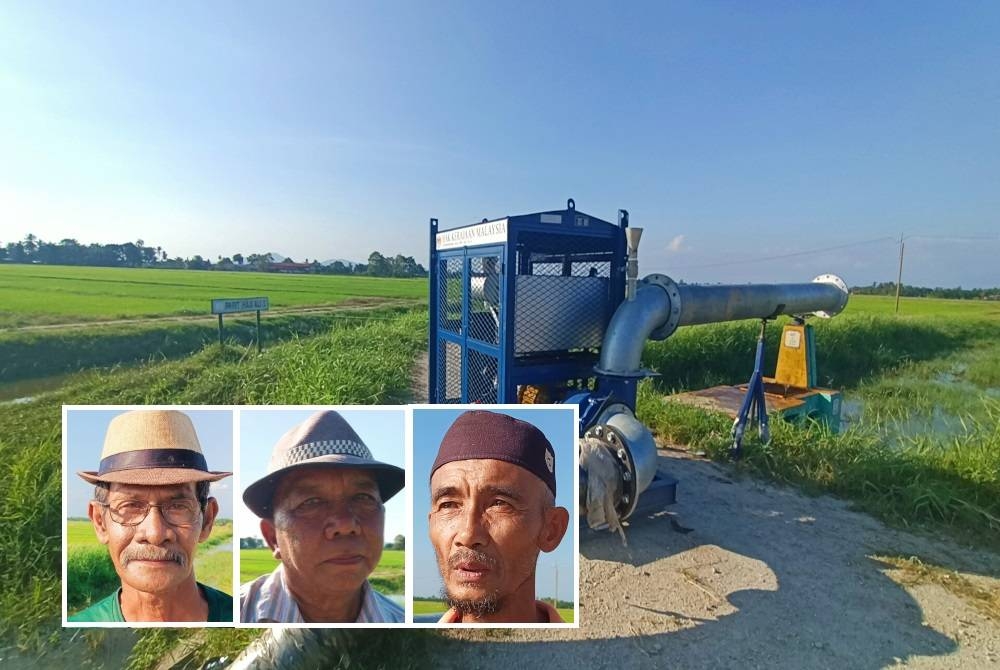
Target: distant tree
399	542
196	262
378	265
238	259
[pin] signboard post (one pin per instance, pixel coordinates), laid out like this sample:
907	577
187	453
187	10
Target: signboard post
222	306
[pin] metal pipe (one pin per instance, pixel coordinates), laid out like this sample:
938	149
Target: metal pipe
661	305
632	237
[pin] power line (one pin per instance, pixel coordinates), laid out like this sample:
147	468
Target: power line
782	256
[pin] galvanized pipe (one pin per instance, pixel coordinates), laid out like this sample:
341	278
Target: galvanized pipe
661	305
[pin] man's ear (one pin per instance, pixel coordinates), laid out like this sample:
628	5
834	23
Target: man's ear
553	529
208	518
96	514
271	537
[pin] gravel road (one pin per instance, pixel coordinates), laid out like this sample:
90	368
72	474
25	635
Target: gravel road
768	578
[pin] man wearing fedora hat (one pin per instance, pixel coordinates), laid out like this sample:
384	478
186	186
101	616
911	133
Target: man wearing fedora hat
322	514
493	489
151	508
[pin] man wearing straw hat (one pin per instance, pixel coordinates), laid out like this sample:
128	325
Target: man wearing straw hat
151	508
322	514
493	489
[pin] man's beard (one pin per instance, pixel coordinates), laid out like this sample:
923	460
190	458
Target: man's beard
478	608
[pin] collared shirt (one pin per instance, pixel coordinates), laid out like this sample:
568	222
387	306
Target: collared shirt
220	607
546	614
268	600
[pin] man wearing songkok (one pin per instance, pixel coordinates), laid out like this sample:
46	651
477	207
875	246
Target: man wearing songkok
151	508
322	514
493	510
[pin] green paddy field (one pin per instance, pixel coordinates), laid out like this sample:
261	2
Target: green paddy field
53	294
387	578
91	575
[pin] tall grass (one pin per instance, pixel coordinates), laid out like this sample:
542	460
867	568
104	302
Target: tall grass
926	451
40	353
850	348
352	363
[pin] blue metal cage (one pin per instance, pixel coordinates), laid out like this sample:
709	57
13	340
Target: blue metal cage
519	305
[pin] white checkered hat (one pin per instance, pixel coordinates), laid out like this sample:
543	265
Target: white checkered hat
325	439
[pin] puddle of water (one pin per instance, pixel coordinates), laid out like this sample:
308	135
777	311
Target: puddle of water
939	423
26	390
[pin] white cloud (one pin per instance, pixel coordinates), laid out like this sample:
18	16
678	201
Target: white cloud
676	244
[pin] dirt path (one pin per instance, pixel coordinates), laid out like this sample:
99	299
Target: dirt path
352	303
768	578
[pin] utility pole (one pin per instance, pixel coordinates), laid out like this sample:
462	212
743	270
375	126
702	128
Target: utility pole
899	277
556	603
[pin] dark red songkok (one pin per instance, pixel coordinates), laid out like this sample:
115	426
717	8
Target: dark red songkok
481	434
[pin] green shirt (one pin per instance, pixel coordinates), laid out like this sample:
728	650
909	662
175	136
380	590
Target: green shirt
220	607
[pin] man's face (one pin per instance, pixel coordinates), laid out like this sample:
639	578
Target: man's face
327	528
488	521
153	556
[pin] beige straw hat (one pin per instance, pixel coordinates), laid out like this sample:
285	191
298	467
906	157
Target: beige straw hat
152	448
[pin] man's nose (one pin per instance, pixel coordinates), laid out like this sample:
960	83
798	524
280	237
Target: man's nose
154	529
341	519
472	530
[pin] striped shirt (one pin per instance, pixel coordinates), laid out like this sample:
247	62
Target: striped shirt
268	600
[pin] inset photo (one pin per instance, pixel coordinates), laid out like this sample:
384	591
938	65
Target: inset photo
148	535
322	521
495	510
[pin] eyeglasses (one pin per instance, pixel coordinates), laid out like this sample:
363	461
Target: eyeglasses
182	512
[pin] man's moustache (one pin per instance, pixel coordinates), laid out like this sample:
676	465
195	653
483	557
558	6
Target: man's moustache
471	556
151	553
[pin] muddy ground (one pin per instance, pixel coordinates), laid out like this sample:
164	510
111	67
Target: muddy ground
767	578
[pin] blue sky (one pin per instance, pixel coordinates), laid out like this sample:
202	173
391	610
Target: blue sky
429	427
383	430
732	132
85	429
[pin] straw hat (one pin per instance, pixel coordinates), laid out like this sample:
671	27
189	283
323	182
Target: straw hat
152	448
325	439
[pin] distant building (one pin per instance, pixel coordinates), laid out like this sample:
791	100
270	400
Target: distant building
292	268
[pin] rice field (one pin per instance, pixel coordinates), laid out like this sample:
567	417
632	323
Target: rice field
53	294
387	577
91	574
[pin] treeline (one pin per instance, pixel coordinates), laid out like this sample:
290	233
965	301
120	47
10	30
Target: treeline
140	255
959	293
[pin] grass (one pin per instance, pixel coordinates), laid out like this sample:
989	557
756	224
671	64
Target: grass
353	363
388	576
91	574
40	353
47	294
912	571
436	606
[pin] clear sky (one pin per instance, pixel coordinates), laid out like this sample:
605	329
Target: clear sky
429	427
85	429
383	430
733	132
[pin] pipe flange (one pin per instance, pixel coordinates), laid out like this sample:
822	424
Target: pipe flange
674	293
615	443
839	283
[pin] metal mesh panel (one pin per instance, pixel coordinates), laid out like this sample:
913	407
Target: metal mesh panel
484	298
562	293
449	373
450	294
483	378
